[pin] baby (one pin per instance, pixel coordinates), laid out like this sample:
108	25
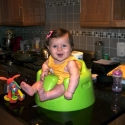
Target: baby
60	62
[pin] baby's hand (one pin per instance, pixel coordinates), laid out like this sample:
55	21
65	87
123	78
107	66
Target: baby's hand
45	73
68	95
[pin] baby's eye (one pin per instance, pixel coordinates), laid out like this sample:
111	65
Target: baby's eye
64	46
54	46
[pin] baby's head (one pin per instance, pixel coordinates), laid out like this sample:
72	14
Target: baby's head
58	33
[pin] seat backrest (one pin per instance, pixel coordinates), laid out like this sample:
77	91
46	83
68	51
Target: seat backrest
84	68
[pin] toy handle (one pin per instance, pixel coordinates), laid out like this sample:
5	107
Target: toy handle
50	81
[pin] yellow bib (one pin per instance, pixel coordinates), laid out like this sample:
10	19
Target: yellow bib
59	69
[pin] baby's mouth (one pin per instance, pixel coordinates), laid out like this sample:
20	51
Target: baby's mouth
60	55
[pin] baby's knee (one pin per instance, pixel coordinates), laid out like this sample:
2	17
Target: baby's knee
39	83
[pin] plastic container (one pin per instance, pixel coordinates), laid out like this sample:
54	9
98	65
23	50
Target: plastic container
98	50
77	54
37	43
117	78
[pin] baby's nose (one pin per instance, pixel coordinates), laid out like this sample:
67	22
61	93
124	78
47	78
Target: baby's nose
59	48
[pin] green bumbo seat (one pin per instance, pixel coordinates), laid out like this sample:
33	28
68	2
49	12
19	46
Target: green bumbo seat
82	98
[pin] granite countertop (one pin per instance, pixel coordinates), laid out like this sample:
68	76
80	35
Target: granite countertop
107	107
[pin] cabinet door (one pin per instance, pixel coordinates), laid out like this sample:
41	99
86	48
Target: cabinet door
16	14
3	73
119	121
23	12
95	13
34	12
118	16
0	13
6	11
7	119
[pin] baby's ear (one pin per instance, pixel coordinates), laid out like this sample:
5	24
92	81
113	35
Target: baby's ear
71	49
47	47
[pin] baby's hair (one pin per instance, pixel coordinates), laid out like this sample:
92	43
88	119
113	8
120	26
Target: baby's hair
57	33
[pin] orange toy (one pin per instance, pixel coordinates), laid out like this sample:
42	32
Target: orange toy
14	92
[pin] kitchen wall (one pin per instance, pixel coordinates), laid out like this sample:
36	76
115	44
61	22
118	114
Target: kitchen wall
66	14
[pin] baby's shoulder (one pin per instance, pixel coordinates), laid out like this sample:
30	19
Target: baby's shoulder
71	63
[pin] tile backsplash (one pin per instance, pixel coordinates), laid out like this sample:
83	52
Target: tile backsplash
66	14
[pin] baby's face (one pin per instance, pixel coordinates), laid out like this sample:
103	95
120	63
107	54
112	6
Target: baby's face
60	48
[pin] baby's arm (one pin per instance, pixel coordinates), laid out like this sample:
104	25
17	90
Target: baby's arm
45	70
74	72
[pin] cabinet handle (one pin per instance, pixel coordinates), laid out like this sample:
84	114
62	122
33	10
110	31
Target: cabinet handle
80	5
19	9
123	10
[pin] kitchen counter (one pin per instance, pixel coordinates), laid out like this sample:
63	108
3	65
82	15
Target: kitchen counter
107	107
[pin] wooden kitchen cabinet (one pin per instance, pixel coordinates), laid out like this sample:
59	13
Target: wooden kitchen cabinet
119	121
3	73
0	14
102	13
7	119
95	13
23	12
118	13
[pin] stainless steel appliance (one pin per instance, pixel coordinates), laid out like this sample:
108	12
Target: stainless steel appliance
25	56
98	50
7	41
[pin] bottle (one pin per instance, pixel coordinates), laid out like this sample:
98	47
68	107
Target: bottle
37	41
117	78
98	50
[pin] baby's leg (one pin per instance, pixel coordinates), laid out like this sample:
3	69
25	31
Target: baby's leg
30	90
56	92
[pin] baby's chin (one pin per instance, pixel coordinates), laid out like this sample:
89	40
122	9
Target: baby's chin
59	61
